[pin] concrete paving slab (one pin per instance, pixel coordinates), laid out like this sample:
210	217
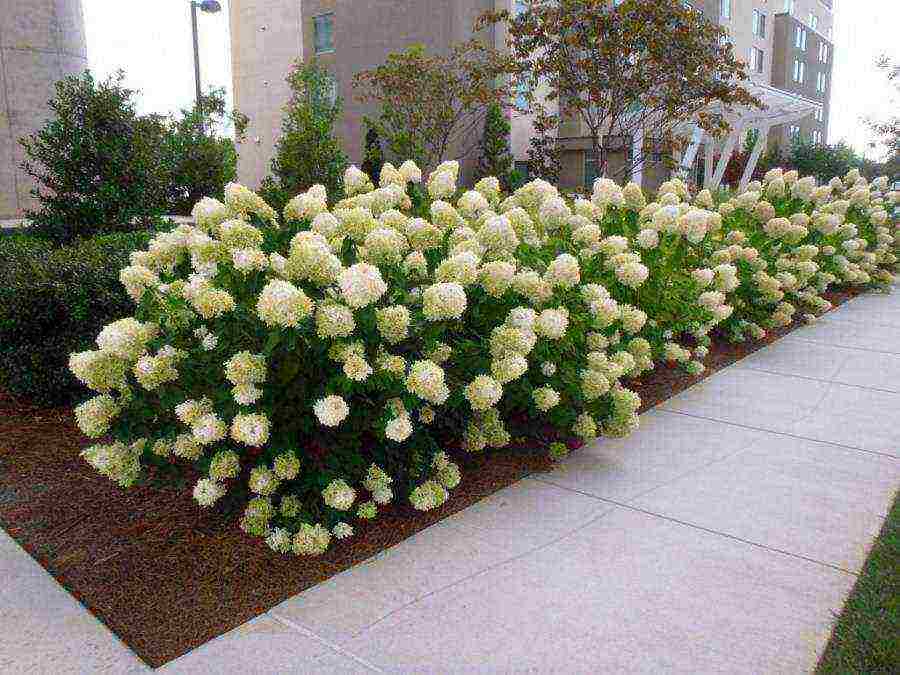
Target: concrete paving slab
629	592
822	411
840	330
43	629
861	368
666	447
265	646
859	418
341	606
527	515
812	499
878	307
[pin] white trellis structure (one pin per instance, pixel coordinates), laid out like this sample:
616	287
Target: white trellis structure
781	107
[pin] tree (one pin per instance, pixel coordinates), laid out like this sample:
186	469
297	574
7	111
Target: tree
495	158
432	105
200	161
642	65
888	131
544	151
308	152
96	162
822	161
373	155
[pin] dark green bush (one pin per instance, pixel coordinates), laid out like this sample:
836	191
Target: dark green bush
200	162
99	166
96	162
54	301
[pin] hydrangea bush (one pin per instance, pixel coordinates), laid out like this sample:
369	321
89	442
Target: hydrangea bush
322	362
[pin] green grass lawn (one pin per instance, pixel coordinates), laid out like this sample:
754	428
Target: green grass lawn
866	637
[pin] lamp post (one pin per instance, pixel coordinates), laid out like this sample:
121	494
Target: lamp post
210	7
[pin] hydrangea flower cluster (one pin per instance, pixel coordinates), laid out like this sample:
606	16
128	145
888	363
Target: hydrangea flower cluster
338	356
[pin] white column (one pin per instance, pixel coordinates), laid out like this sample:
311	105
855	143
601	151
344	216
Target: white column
708	160
637	157
690	153
727	152
753	160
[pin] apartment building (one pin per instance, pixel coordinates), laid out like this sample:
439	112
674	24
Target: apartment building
347	36
787	44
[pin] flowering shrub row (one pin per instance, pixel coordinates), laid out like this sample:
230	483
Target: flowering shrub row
330	359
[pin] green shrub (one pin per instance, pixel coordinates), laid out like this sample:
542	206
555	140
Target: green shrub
198	160
96	162
53	301
308	152
101	167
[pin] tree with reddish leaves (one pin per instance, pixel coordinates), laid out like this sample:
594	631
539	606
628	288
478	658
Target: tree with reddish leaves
646	65
433	106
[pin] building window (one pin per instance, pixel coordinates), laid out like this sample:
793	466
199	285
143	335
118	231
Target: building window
799	71
522	91
821	82
800	38
813	21
757	56
789	6
331	89
323	26
591	168
823	52
725	9
794	132
523	169
759	23
817	137
820	114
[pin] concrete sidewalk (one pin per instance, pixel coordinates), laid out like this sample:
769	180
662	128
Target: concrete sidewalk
722	537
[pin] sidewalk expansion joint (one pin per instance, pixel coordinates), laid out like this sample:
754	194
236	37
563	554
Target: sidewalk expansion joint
293	625
708	530
879	453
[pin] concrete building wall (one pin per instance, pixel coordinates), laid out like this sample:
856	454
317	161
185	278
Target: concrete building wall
41	41
266	38
817	59
366	33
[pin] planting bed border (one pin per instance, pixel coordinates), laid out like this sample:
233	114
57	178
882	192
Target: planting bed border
167	576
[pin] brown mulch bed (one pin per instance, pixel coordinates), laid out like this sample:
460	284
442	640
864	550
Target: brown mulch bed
166	576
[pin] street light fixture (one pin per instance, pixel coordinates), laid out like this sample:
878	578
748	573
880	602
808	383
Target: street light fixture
210	7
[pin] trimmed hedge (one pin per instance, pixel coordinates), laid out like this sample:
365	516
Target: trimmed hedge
53	301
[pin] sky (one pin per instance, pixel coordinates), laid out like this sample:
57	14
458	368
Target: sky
151	42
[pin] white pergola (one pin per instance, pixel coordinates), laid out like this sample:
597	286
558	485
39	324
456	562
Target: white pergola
780	107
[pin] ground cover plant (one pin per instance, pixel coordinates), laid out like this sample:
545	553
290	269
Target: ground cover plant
866	637
315	365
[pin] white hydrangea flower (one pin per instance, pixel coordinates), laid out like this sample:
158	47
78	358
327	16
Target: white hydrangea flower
399	429
444	301
361	285
339	495
331	410
207	492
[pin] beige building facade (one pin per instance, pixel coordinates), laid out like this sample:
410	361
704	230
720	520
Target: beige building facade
348	36
41	41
